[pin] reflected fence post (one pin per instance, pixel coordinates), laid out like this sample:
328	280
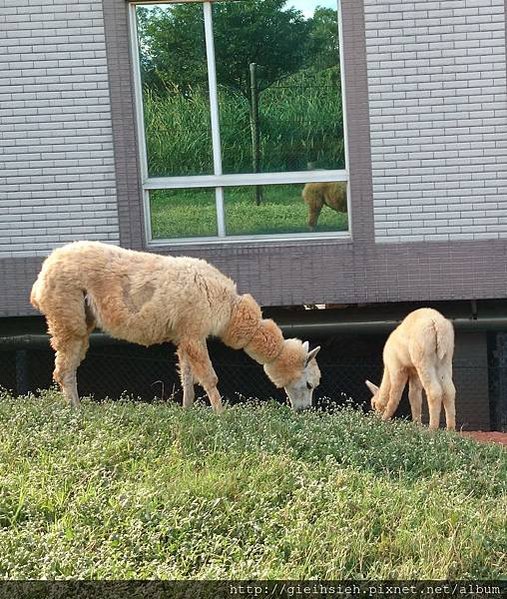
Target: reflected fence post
254	127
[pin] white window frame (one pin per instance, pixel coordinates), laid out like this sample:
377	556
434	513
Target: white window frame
218	180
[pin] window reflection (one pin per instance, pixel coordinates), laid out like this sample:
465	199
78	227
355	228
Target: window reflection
174	76
286	209
279	85
183	213
280	110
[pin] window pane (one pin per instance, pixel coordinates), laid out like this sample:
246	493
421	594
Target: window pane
285	209
289	53
183	213
172	54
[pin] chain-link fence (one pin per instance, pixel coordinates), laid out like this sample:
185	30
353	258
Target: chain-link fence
112	369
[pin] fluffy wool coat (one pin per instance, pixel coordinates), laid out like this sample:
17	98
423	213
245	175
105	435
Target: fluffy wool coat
419	350
316	195
147	299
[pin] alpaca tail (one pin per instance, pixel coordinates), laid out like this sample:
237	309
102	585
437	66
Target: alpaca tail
444	338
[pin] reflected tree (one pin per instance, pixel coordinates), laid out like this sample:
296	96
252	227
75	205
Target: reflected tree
276	38
263	32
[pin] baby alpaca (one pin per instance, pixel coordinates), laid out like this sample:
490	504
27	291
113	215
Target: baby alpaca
316	195
147	299
420	349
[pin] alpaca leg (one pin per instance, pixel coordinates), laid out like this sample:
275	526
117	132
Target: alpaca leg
449	402
434	408
313	213
398	382
312	196
70	322
187	380
197	356
415	397
69	355
434	394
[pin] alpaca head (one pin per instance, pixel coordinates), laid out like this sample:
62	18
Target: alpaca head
376	401
296	370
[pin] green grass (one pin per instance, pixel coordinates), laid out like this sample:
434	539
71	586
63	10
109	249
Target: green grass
132	490
192	213
183	213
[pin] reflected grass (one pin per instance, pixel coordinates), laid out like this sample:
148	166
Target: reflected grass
192	213
183	213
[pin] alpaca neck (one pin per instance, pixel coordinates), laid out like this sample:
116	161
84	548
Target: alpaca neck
266	344
261	339
385	386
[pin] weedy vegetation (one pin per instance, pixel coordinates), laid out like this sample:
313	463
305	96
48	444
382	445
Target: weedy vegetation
299	123
127	489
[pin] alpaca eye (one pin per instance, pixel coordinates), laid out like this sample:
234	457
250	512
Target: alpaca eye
308	386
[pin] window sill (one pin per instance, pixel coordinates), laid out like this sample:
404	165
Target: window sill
257	240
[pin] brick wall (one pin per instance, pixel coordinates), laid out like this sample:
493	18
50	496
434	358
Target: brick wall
438	115
56	152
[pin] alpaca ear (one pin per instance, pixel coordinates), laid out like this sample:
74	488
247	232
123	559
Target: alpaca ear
306	346
312	354
373	388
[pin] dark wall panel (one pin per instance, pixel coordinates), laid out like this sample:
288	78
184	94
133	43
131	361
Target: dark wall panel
345	362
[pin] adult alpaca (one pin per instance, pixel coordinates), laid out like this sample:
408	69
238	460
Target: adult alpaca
148	299
316	195
420	349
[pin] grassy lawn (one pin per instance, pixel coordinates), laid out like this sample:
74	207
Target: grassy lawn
191	213
132	490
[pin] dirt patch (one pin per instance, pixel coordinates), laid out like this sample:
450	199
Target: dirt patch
487	437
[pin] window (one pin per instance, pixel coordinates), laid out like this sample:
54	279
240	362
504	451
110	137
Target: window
240	119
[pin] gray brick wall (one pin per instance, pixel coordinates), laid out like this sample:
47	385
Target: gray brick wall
438	119
57	176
